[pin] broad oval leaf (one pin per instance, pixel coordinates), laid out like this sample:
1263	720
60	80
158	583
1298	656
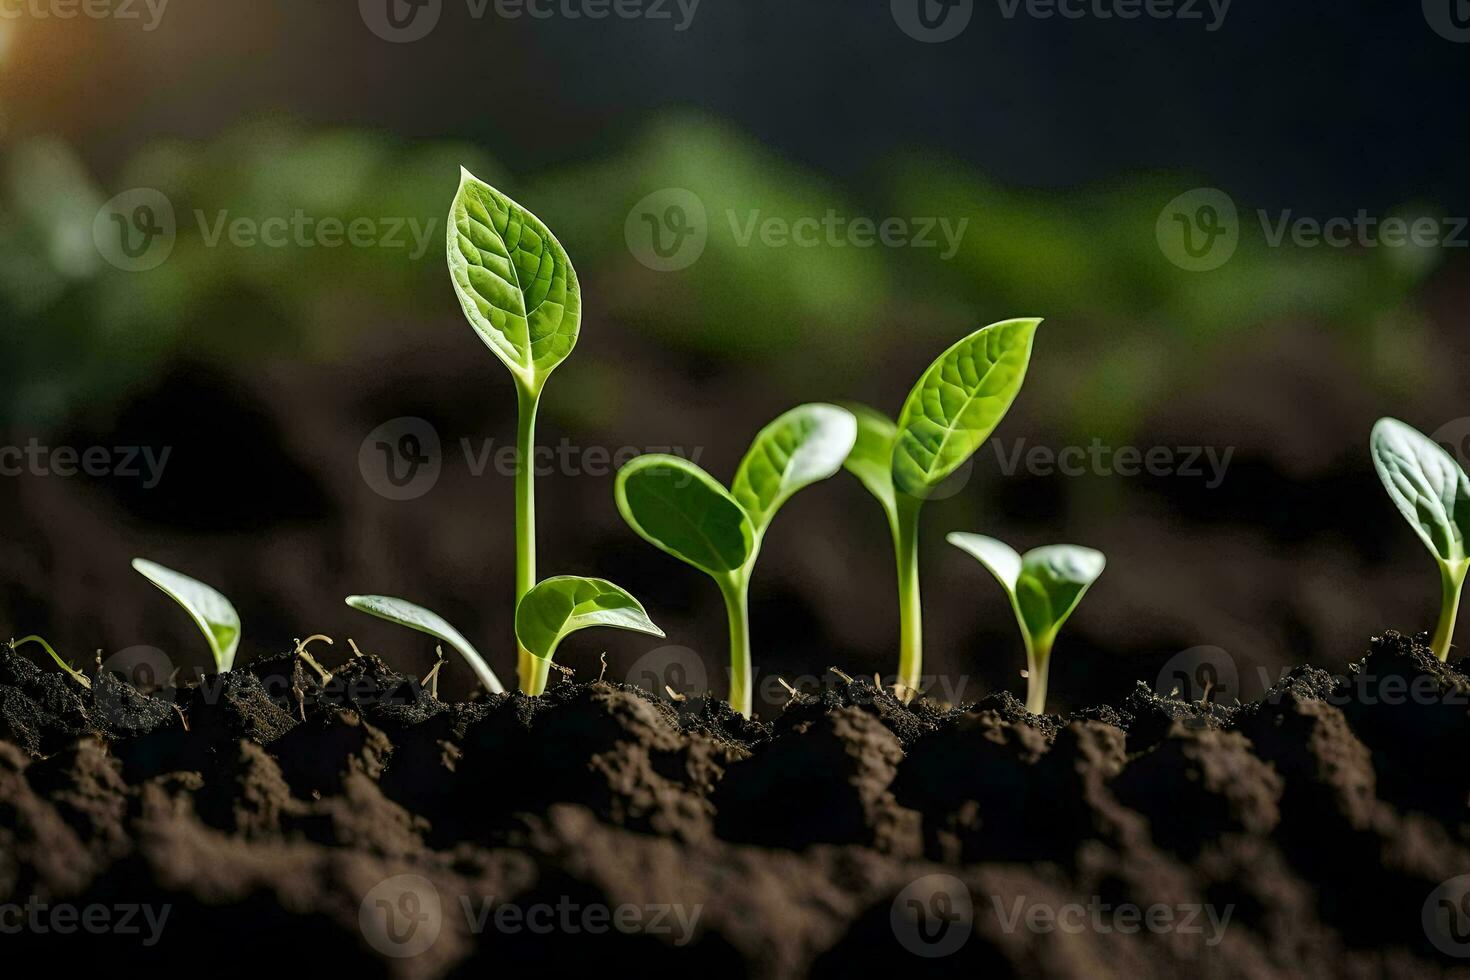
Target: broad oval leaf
871	459
211	612
805	445
958	402
405	613
514	281
1044	586
676	506
1427	485
562	605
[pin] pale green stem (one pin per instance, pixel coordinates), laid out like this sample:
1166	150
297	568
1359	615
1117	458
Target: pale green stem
905	525
76	675
736	590
526	405
1451	580
534	682
1038	670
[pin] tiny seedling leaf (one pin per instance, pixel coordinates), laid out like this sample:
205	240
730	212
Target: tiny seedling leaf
1044	586
1426	484
958	402
678	507
559	606
805	445
211	612
76	675
871	459
405	613
514	281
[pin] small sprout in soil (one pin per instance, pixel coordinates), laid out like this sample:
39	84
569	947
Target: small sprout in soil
211	612
560	606
76	675
681	509
953	409
1044	586
519	291
405	613
1430	489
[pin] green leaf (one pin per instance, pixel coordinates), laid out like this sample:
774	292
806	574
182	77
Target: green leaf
1044	586
405	613
958	402
211	612
871	459
805	445
562	605
514	281
676	506
1426	484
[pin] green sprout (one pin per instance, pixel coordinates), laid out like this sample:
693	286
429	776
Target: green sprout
405	613
681	509
1430	489
953	409
1044	586
211	612
76	675
559	606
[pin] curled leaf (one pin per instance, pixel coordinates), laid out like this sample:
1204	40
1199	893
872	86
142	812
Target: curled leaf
558	607
405	613
1426	484
210	610
805	445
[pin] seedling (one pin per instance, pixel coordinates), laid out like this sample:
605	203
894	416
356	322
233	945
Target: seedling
75	674
211	612
405	613
1044	586
560	606
680	508
953	409
519	291
1430	489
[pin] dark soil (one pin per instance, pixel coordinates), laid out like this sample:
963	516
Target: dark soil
276	819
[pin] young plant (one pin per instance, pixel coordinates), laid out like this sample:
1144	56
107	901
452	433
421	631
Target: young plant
519	291
678	507
405	613
1044	586
949	414
560	606
75	674
1430	489
211	612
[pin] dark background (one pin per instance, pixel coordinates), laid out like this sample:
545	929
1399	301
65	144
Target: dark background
265	369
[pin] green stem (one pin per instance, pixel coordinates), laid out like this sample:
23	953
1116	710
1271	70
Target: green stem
1038	671
534	682
905	525
526	405
1451	580
736	591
